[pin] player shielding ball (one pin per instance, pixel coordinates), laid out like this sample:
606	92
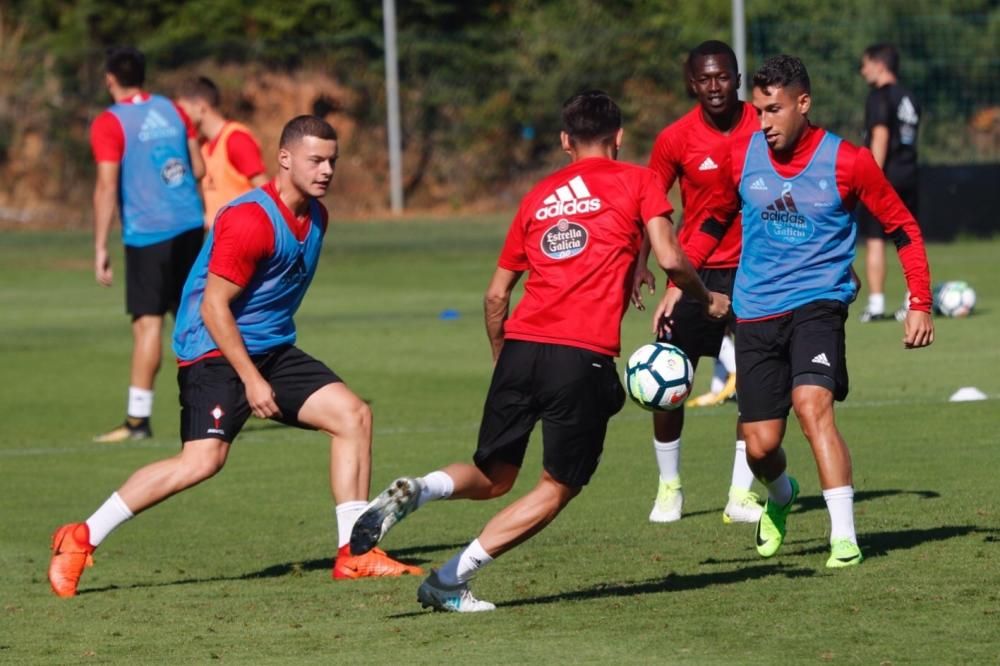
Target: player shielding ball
683	151
577	235
234	341
798	186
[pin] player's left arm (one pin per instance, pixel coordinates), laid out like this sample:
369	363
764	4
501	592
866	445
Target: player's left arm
879	197
496	306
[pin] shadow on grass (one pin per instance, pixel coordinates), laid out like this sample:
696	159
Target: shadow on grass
669	583
406	555
880	544
814	502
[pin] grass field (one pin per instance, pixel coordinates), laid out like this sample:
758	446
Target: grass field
238	569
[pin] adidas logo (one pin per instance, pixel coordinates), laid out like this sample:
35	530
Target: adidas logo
759	184
783	209
821	359
708	165
569	199
156	126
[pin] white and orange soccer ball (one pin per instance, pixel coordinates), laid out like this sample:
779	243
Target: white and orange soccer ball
658	376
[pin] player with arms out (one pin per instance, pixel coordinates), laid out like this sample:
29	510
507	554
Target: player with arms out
233	164
683	151
234	341
577	234
798	185
148	163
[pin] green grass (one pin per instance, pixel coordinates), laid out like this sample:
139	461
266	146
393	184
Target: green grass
238	569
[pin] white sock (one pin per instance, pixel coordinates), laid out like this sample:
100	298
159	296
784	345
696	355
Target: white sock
347	514
727	354
742	476
112	513
140	403
719	377
840	504
436	485
876	303
780	490
464	566
668	458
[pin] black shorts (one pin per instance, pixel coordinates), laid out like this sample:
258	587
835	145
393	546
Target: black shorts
803	347
869	226
214	400
574	392
155	274
692	330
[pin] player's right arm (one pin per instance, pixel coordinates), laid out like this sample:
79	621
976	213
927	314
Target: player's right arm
496	306
879	113
107	142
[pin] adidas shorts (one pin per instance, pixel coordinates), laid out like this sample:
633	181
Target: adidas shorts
803	347
693	331
214	400
155	274
573	392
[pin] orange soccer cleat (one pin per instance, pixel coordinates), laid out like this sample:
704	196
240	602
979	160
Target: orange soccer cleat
375	562
71	554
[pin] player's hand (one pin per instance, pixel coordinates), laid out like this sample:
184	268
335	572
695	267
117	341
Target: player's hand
918	329
102	267
260	396
664	311
642	276
718	305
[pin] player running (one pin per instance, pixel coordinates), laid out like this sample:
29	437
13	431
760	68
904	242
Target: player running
798	185
233	164
682	150
234	341
148	164
577	234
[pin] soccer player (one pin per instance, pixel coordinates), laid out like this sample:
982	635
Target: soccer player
148	164
577	234
798	185
234	341
892	119
682	151
233	164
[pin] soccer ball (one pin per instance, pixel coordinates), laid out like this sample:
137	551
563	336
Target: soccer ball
955	299
658	376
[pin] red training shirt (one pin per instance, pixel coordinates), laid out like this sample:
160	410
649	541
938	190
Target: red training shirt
858	179
243	152
578	233
107	137
683	150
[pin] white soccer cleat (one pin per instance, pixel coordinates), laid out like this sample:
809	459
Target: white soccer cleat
669	503
382	513
432	593
743	507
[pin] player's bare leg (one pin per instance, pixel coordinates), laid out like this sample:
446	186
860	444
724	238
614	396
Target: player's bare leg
146	357
337	411
875	276
767	460
814	408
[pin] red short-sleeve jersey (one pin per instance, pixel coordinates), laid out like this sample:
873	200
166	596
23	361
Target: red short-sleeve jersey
107	138
684	150
578	233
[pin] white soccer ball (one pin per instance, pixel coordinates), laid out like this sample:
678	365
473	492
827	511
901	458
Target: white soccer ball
658	376
955	299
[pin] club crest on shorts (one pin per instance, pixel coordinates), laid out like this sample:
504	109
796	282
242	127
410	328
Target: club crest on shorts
217	415
564	239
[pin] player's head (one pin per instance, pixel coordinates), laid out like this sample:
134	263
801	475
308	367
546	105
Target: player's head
713	76
782	99
198	96
307	154
878	61
591	119
125	66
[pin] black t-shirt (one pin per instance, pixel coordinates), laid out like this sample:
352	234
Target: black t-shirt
895	107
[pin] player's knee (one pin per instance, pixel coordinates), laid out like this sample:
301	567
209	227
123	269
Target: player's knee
203	463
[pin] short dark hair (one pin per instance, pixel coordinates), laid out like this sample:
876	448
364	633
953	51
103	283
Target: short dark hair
127	64
203	88
591	117
885	54
782	71
300	127
709	48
